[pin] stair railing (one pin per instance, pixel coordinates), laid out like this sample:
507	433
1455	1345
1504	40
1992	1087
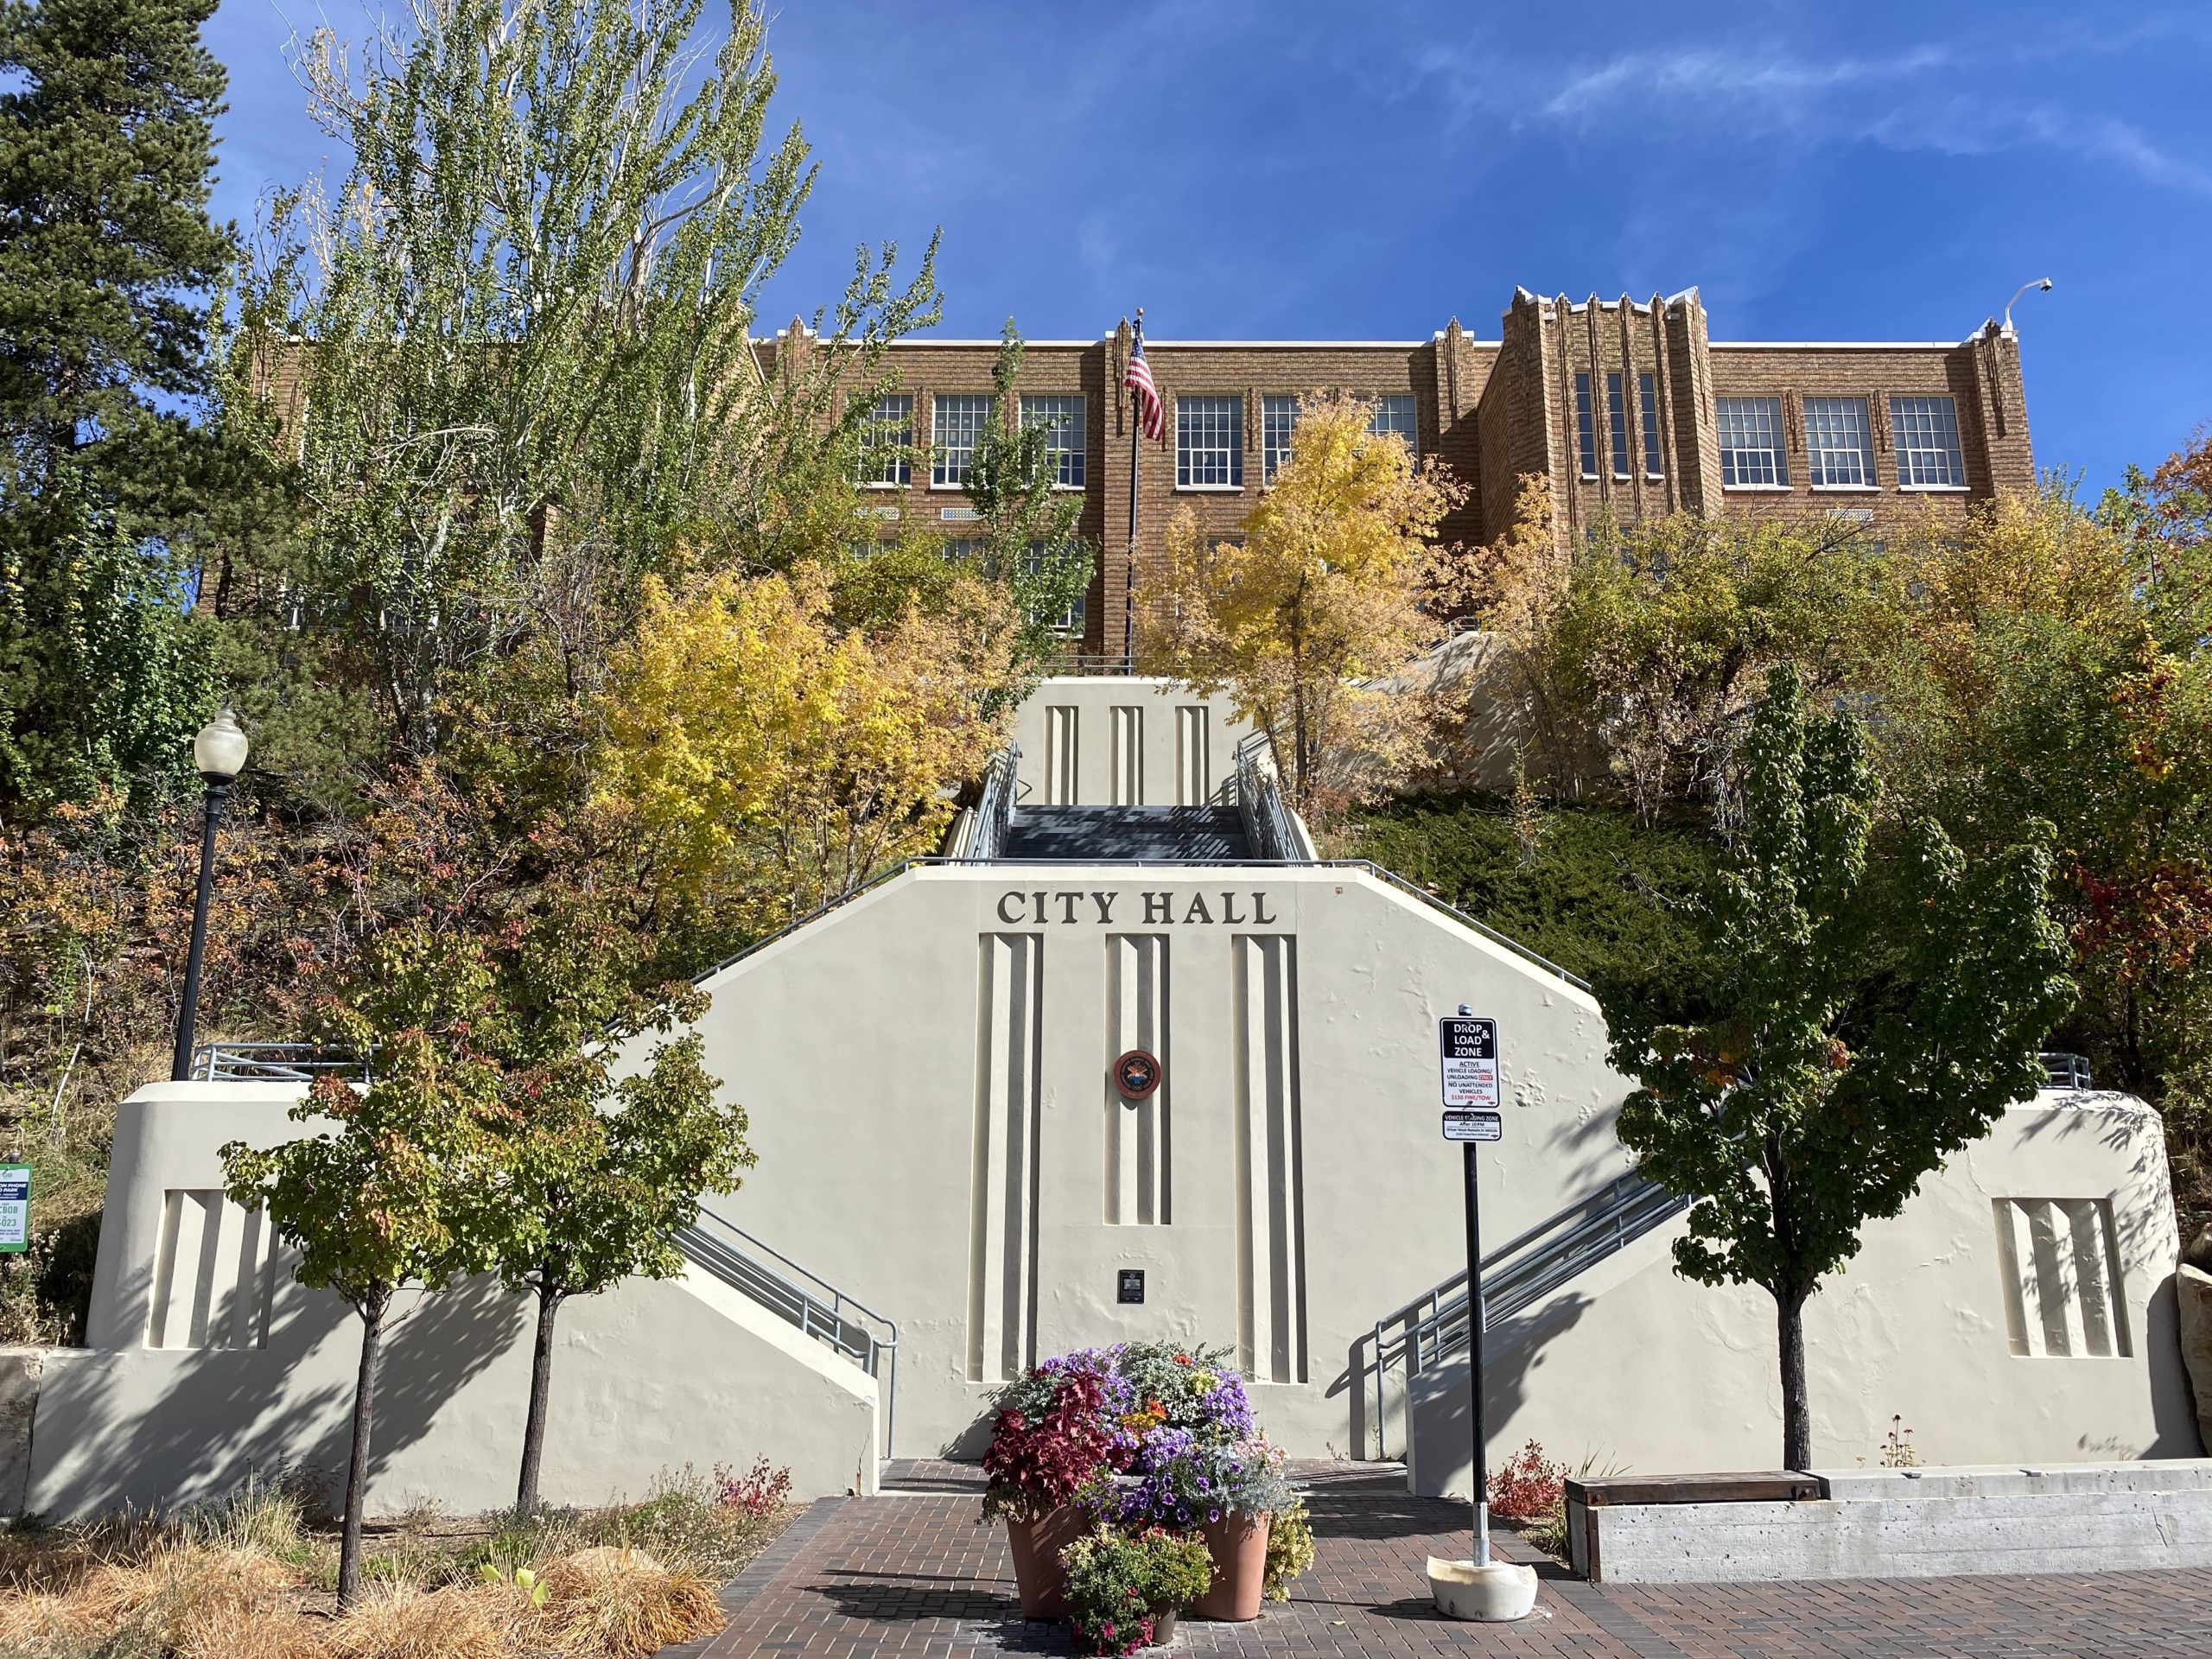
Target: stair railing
1269	829
1518	1274
995	809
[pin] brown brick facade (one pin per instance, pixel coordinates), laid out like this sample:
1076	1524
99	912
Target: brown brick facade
1494	410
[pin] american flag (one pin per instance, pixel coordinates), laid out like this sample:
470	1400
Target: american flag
1151	413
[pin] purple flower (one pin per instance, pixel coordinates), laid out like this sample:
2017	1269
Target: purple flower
1213	1514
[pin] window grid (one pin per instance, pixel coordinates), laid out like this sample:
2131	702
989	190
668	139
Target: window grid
1393	413
1751	442
887	440
1064	416
1278	421
1839	444
1209	444
1070	619
1586	426
957	421
1617	421
1647	391
1928	444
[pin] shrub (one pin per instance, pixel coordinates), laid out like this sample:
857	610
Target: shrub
1290	1549
1119	1581
399	1621
1527	1488
622	1603
1035	1464
682	1522
758	1493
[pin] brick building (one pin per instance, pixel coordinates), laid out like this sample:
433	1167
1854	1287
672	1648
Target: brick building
1628	408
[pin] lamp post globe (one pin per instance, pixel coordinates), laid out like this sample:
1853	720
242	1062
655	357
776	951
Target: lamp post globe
219	752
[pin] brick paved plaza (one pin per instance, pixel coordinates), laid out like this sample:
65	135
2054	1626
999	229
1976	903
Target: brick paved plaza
913	1574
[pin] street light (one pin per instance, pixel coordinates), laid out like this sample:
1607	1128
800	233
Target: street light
219	752
2041	284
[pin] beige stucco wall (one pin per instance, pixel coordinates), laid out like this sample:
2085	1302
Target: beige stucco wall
1636	1366
1168	766
646	1377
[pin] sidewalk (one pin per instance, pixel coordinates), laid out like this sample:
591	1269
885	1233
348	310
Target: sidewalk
915	1574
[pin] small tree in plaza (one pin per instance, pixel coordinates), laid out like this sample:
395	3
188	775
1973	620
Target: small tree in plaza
401	1191
1855	1022
1335	586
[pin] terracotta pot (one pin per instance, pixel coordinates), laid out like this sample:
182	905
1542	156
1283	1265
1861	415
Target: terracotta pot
1163	1627
1238	1544
1039	1578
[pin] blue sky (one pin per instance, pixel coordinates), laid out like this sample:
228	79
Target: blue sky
1872	171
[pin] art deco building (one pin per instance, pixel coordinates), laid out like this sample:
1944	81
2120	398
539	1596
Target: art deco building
1628	408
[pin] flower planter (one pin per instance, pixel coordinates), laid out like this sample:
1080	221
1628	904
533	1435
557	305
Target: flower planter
1039	1578
1238	1544
1163	1627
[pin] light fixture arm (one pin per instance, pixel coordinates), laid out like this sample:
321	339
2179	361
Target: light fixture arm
2041	284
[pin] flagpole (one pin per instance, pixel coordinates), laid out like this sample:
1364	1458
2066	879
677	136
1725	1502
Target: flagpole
1130	574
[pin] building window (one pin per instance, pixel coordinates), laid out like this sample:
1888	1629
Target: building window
887	440
1928	444
1586	426
959	421
1278	420
1617	421
1839	448
1647	391
1063	417
1209	443
1393	413
1070	619
1750	442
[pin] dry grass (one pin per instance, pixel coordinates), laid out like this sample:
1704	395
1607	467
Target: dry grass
402	1622
621	1602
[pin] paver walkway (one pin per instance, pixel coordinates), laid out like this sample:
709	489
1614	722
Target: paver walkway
915	1574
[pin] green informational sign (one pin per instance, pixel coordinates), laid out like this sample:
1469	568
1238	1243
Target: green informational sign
15	1207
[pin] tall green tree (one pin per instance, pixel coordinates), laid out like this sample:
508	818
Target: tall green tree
407	1189
1862	1019
1028	543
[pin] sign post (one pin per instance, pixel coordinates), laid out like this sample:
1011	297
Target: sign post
1467	1059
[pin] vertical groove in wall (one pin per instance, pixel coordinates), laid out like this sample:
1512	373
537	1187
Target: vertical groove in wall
1270	1198
1002	1257
1136	1163
2063	1292
1191	770
1127	755
1060	730
214	1272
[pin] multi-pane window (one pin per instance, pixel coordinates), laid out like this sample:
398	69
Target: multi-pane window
1751	442
1647	391
1586	426
1209	443
1617	421
959	421
1069	620
1062	417
887	440
1278	420
1393	413
1926	430
1838	446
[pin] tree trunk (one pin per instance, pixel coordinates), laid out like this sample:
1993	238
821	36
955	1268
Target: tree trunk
1797	1412
372	1309
541	1385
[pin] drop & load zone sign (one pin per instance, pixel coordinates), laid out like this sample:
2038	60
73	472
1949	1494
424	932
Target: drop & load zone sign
1469	1062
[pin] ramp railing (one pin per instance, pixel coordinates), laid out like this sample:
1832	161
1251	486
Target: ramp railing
818	1308
1269	829
995	808
1518	1273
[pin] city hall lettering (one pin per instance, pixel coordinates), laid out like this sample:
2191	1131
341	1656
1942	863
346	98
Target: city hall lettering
1246	909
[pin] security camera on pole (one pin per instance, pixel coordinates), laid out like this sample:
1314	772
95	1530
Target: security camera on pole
1480	1588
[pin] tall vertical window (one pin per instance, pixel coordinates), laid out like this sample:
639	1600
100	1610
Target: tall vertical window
958	421
1838	446
1069	620
1278	420
1750	442
1063	417
1647	392
1393	413
1209	443
887	440
1617	421
1586	426
1928	444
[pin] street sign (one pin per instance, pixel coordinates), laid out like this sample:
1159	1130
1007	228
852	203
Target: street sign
15	1207
1468	1051
1466	1125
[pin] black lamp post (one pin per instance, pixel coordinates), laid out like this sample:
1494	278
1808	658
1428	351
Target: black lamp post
219	752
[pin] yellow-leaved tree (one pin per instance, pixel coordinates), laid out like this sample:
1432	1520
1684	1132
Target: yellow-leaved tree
1311	622
773	760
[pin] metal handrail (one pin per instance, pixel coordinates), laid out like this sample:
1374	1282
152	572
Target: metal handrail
2065	1072
271	1062
995	809
817	1308
1267	827
1518	1274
